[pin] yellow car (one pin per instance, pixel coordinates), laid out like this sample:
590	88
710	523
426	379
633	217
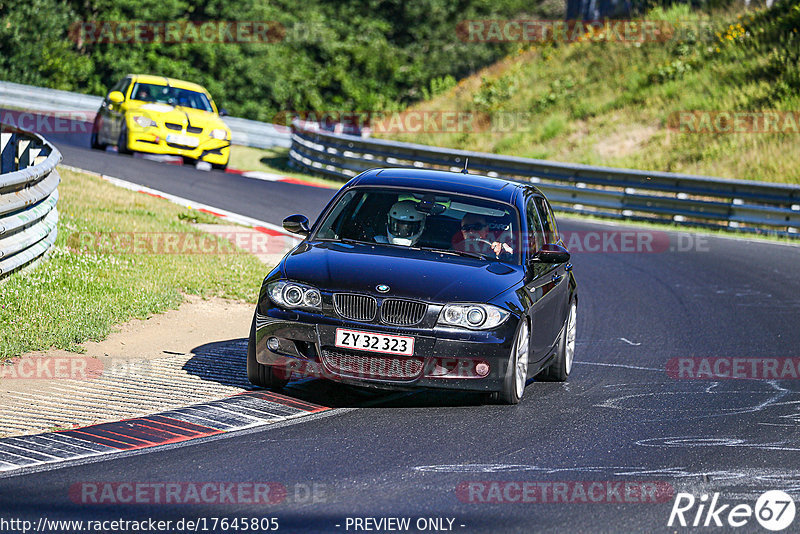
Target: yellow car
159	115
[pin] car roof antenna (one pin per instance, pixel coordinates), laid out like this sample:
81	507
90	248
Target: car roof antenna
465	170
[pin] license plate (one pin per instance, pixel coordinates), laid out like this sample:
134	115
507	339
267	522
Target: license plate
353	339
184	140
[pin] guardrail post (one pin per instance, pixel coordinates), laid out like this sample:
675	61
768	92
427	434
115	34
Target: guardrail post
34	152
7	152
23	153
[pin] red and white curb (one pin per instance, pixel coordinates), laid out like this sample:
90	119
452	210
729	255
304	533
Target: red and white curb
261	226
247	410
205	166
271	177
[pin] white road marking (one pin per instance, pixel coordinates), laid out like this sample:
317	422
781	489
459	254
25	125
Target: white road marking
622	365
229	215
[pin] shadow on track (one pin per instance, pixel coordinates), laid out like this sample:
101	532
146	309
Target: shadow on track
225	362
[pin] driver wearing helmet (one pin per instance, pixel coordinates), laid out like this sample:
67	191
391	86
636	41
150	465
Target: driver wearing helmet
404	226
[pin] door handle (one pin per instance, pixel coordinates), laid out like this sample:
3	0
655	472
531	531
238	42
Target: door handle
568	267
556	278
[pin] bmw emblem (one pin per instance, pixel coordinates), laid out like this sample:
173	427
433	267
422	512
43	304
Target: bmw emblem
382	288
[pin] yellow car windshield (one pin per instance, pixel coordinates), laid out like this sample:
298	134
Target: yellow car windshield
174	96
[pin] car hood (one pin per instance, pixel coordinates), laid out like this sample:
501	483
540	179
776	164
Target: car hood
421	274
166	113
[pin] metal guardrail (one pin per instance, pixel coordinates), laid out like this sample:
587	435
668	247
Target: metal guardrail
244	132
28	197
601	191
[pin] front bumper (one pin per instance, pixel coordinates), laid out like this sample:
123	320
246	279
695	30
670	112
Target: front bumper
443	357
154	141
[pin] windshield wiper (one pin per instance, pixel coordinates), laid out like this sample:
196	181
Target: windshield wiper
466	253
351	241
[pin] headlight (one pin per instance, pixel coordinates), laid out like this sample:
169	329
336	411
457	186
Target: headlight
144	122
473	316
291	295
219	133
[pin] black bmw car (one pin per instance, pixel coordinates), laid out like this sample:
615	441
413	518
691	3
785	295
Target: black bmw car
419	278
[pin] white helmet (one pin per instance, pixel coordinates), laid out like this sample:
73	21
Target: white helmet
405	224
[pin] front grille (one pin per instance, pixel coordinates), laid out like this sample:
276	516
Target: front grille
369	365
194	129
173	126
402	312
355	307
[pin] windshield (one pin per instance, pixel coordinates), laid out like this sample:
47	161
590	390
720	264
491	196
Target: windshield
163	94
456	224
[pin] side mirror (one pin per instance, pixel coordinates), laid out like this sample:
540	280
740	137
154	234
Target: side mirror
223	112
552	253
116	97
296	224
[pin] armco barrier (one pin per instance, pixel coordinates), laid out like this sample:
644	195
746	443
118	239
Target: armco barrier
27	97
28	196
602	191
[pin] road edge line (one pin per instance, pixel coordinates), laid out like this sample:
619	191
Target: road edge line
185	202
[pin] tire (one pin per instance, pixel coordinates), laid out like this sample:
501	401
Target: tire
517	374
122	144
561	366
93	138
261	375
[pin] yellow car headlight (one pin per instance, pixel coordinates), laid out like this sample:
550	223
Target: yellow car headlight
219	133
144	122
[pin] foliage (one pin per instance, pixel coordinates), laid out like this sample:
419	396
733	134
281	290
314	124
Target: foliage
602	102
332	55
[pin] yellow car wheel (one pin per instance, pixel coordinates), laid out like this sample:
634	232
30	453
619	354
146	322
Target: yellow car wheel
122	143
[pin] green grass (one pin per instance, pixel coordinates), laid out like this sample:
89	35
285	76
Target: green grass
274	160
79	295
605	103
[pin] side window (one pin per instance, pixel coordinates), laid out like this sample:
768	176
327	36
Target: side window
536	239
548	220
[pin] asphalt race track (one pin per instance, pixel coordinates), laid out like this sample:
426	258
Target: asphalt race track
270	201
622	418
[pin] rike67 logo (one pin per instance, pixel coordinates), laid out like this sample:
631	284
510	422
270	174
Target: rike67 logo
774	510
